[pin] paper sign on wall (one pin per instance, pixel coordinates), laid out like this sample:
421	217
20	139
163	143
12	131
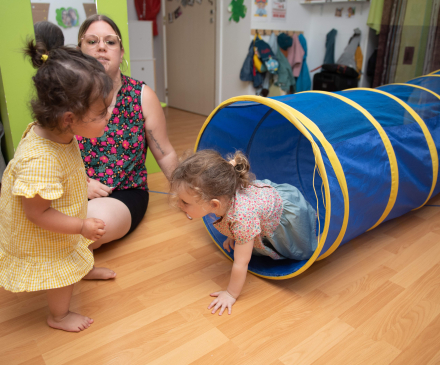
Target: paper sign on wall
279	10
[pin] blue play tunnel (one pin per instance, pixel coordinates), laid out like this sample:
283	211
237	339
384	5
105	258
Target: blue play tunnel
360	156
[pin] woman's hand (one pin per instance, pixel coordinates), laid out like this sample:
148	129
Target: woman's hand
93	228
229	244
97	190
224	300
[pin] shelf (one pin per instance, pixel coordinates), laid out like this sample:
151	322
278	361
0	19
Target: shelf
321	2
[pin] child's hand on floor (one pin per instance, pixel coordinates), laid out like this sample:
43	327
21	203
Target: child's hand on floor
93	228
224	300
229	244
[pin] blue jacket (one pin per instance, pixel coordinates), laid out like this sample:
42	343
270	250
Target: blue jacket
303	82
247	70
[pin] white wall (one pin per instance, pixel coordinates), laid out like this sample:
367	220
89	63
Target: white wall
315	21
297	18
233	40
322	20
232	44
70	34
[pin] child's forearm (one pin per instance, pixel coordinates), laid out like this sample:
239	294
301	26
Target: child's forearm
238	277
242	256
55	221
39	212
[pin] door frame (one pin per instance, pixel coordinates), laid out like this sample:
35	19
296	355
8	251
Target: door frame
218	39
164	44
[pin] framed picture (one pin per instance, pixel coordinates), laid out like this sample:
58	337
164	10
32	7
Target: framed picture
67	18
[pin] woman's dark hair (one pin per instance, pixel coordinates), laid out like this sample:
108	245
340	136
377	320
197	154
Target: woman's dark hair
97	18
67	81
50	34
211	176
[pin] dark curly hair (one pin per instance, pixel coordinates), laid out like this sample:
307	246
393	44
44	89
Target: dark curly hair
211	176
50	34
67	81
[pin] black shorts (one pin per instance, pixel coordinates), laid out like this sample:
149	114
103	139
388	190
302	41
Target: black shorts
136	201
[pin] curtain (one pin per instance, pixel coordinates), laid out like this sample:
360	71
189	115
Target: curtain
148	10
394	40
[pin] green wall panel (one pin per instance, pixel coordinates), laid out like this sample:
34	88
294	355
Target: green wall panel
16	71
117	11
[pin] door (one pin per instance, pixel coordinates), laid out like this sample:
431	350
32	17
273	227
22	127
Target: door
190	55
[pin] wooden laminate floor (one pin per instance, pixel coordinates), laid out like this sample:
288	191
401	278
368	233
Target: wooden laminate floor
376	300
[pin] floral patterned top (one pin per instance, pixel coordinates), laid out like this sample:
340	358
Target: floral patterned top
117	159
253	213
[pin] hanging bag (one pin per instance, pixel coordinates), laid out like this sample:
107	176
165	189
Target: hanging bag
258	64
268	58
248	71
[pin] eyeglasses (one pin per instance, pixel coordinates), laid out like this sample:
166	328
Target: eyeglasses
112	41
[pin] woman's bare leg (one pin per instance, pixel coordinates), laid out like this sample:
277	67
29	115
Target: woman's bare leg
117	219
116	216
60	317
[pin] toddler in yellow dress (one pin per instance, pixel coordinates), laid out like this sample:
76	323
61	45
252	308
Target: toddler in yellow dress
44	233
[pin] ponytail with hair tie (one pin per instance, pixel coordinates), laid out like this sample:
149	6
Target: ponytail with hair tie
209	175
242	169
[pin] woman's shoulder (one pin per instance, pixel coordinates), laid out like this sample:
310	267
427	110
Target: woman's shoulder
128	81
131	91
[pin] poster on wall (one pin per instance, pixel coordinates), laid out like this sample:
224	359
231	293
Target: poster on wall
279	10
259	9
90	9
67	18
40	12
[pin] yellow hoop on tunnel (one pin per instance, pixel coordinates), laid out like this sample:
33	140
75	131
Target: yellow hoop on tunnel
340	176
289	113
388	147
424	128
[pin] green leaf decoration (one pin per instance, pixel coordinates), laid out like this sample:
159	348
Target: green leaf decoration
238	10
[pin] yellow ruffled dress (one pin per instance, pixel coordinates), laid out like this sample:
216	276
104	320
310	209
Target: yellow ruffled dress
32	258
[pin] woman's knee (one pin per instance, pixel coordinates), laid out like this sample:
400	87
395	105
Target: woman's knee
116	216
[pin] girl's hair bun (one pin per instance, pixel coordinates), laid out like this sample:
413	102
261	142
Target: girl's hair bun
211	176
242	168
35	50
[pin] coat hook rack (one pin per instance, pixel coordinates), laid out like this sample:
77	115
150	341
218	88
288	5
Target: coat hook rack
276	31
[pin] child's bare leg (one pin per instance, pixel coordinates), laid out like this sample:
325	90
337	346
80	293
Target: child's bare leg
60	317
99	273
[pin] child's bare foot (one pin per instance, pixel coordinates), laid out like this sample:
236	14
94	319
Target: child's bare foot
100	273
72	322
